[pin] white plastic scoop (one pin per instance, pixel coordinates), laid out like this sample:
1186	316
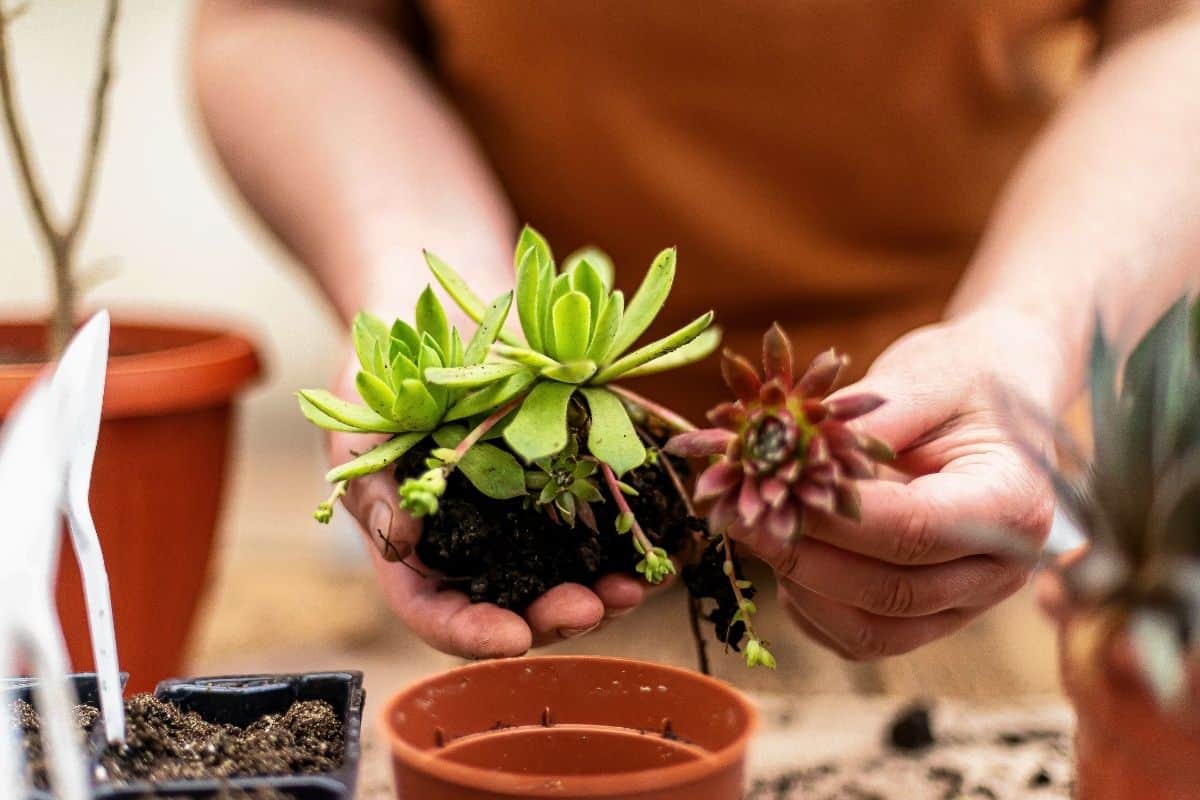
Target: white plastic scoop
79	385
32	472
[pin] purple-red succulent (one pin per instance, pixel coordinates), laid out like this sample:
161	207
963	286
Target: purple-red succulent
783	448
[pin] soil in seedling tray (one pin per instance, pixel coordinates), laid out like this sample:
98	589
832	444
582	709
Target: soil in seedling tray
502	552
164	744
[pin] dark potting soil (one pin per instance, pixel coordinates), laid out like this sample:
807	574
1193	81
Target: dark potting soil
165	744
500	551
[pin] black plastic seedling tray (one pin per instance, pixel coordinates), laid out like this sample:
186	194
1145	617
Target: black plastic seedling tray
240	700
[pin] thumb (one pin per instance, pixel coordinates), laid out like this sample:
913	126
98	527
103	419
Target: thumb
372	500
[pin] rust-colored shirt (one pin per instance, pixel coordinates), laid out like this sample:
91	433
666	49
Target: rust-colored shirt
826	163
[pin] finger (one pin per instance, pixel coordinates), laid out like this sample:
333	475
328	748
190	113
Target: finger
372	500
939	518
448	620
897	591
1051	595
564	612
620	594
808	627
863	636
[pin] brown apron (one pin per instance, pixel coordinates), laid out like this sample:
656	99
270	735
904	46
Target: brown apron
826	163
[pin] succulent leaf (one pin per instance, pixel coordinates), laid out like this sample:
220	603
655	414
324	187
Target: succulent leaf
431	320
528	285
378	395
612	438
608	320
599	261
540	427
524	355
492	471
490	397
490	327
322	420
359	418
375	459
646	303
415	408
574	372
655	349
571	319
472	377
405	335
585	278
699	348
558	288
368	333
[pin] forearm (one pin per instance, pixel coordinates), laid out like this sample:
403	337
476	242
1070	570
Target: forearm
1103	212
347	151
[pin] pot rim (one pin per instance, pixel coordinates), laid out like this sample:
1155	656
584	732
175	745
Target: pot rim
611	785
203	367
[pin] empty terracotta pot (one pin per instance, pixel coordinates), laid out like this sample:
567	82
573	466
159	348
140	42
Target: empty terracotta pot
569	727
156	484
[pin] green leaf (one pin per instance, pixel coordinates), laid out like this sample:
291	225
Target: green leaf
607	323
429	359
612	438
489	328
455	356
415	407
646	303
523	355
493	471
377	394
375	459
407	335
584	278
599	260
455	286
474	376
491	397
489	469
655	349
529	270
431	320
322	420
358	417
540	426
693	351
572	315
559	288
574	372
403	368
368	332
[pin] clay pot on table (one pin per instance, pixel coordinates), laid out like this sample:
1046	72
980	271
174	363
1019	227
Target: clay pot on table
1127	745
157	482
569	727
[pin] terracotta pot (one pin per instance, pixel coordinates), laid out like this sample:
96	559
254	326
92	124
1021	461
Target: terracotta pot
569	727
156	485
1126	744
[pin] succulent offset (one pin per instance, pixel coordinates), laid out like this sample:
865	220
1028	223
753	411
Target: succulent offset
1139	498
782	448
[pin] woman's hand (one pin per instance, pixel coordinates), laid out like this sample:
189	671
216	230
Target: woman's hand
446	619
921	563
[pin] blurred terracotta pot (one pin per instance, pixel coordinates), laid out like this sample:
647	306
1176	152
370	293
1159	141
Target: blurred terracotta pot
569	727
1126	744
157	482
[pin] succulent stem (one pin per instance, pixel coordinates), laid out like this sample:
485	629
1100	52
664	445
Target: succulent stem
655	564
756	649
324	511
673	420
482	428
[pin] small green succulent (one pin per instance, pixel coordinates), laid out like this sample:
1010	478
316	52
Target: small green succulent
566	482
399	400
578	334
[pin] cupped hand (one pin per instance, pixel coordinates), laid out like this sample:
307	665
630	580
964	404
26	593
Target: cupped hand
444	618
926	556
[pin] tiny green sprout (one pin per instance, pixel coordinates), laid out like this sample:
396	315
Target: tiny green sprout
324	511
624	522
757	654
578	333
419	496
655	565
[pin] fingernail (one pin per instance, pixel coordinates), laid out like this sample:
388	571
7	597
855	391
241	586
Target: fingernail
380	523
572	633
617	613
